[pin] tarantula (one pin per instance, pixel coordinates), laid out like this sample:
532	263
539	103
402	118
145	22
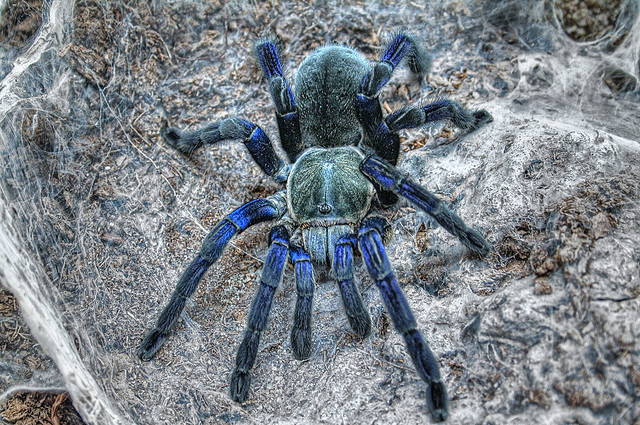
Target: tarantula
341	155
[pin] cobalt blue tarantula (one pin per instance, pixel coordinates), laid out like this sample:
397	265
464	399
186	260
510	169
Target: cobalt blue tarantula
341	155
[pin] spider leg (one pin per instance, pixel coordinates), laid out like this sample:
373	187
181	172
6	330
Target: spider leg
257	321
386	136
390	179
444	109
384	142
251	213
370	237
256	141
301	331
286	111
343	271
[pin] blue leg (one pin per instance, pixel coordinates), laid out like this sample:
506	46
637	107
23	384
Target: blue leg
301	331
256	141
441	110
251	213
389	178
384	142
257	321
402	45
286	111
343	271
370	238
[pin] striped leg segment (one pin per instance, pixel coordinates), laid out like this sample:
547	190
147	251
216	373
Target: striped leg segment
343	271
251	213
286	111
305	283
257	321
384	142
256	141
402	45
373	253
441	110
389	178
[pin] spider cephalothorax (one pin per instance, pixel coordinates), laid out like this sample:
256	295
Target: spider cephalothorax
341	155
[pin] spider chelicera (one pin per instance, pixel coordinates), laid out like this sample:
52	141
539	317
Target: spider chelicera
341	155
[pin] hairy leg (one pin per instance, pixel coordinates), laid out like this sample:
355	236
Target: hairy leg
251	213
257	321
389	178
343	271
385	143
301	331
373	253
256	141
412	117
286	111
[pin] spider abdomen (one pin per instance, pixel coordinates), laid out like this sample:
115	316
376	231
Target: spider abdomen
325	88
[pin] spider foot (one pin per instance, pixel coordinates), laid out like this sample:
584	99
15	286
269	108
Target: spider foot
185	142
151	344
301	343
473	240
240	383
361	324
467	120
438	401
482	117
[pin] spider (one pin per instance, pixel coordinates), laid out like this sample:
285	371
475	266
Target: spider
341	155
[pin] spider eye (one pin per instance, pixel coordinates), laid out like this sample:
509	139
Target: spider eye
325	208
